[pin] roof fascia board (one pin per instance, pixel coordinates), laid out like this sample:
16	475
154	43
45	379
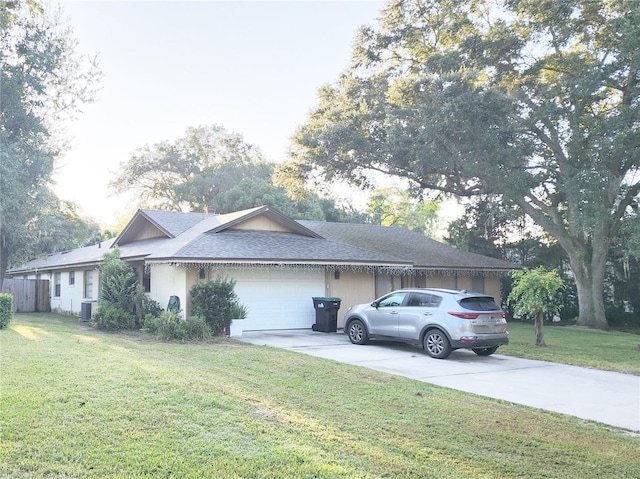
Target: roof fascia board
273	261
55	267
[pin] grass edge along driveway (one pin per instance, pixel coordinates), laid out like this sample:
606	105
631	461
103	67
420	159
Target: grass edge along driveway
76	402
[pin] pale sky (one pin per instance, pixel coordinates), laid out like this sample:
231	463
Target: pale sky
253	67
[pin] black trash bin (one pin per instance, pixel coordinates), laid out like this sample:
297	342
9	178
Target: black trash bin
326	314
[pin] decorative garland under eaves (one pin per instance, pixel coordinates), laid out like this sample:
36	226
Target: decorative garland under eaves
355	268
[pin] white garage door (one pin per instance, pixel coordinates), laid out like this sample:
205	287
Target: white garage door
278	299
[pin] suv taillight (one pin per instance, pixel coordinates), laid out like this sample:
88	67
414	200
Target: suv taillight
464	315
473	315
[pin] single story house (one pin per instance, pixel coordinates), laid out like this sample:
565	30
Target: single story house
279	264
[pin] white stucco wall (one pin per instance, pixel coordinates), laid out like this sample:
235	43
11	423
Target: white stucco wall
71	296
167	281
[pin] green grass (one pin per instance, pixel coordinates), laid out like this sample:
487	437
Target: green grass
606	350
79	403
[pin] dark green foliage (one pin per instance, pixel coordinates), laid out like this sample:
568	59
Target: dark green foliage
214	301
211	169
44	81
170	326
111	317
145	305
6	311
239	311
118	294
534	102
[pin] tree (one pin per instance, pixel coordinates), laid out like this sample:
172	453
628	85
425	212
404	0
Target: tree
533	295
191	172
43	82
59	227
532	100
395	207
211	169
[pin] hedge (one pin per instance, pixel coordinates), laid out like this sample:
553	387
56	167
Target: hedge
6	309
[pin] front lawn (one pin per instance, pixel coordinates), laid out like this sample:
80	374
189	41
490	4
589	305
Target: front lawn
79	403
592	348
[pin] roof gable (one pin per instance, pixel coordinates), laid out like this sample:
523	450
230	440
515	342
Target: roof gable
262	218
148	224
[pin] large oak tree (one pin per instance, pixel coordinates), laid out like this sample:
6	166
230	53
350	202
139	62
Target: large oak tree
43	81
210	168
533	100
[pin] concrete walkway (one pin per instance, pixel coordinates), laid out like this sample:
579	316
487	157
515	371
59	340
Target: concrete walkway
606	397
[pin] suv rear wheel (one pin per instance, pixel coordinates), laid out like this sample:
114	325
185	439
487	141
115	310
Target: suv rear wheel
436	344
357	332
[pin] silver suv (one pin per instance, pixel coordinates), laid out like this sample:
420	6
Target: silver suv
440	320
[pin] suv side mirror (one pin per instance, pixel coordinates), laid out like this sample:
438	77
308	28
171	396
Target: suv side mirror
375	304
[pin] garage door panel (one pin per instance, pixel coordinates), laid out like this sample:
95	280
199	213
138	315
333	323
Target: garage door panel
279	299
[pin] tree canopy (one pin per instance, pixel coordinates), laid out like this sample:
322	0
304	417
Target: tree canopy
535	101
396	207
43	82
211	169
191	171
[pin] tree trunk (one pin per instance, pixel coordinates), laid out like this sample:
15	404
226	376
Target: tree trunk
539	332
588	262
589	272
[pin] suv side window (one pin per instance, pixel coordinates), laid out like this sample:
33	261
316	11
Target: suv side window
424	300
393	300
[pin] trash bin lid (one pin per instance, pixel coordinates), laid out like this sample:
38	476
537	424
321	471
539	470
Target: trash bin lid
322	298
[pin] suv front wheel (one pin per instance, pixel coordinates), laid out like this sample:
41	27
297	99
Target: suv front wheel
357	332
436	344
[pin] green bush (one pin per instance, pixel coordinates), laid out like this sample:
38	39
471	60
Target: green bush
620	319
111	317
171	327
196	327
118	282
214	301
6	309
146	306
119	294
151	323
239	311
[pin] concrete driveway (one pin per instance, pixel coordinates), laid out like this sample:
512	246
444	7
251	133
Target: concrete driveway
606	397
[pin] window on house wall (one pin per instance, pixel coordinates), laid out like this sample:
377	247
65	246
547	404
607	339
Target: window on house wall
88	284
57	281
146	279
72	278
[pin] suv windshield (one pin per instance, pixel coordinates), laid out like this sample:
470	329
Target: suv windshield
482	303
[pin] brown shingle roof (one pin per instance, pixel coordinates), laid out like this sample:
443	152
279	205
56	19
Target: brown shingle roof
200	237
423	252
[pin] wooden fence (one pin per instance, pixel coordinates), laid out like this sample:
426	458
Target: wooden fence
29	295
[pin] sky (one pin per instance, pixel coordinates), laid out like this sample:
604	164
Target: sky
253	67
